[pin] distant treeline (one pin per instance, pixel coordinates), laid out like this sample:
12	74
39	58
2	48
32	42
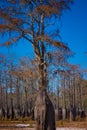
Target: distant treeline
19	89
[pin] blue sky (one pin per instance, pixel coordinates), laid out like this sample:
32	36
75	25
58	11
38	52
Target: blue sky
73	30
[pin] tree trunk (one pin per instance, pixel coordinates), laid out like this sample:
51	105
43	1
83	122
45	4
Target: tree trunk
63	100
18	107
44	112
7	107
11	99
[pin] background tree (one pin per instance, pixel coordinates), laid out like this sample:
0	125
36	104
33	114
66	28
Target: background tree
24	77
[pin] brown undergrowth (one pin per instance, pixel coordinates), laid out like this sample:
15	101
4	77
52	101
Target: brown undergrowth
77	124
65	123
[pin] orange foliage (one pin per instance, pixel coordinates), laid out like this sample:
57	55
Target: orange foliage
55	43
11	20
60	44
16	21
4	26
4	15
13	40
46	10
43	38
54	7
6	43
26	74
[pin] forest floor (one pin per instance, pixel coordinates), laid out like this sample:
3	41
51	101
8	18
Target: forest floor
63	128
30	125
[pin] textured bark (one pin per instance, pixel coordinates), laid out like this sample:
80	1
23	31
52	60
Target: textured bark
44	112
64	113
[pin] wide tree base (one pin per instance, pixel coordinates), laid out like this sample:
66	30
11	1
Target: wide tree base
44	112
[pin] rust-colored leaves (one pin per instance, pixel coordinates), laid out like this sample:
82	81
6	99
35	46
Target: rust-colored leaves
47	10
16	21
10	20
4	26
43	38
60	44
4	15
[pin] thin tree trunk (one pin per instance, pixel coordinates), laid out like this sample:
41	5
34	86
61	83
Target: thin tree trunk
11	100
7	107
18	98
64	100
74	100
1	99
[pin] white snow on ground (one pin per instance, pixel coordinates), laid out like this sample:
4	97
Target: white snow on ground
71	128
22	125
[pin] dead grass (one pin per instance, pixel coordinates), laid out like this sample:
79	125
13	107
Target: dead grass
9	125
77	124
17	128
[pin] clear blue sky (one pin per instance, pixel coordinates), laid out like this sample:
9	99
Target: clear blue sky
73	30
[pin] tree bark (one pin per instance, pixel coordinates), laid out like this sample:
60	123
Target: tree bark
44	112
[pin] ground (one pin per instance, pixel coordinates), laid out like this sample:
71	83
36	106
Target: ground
34	128
30	125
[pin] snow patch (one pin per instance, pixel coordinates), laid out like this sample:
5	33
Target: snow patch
22	125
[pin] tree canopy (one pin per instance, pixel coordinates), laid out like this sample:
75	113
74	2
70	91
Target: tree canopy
33	20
